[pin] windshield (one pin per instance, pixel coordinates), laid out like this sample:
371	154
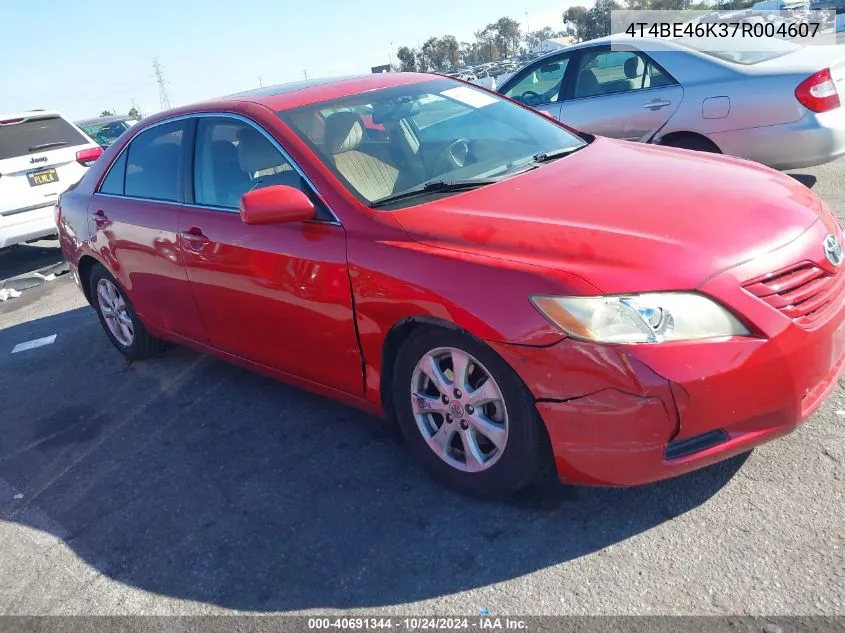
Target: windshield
107	133
772	49
383	143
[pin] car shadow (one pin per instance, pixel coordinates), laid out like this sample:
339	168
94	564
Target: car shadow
192	478
25	258
807	180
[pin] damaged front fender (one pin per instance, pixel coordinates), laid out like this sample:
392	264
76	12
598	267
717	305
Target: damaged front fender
609	417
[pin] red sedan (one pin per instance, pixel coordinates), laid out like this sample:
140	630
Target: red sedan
516	294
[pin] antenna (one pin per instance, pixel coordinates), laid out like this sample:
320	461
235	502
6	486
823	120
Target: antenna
163	99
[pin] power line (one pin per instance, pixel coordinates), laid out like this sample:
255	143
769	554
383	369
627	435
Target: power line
163	99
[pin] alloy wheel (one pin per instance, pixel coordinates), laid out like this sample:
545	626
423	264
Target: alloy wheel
115	312
459	409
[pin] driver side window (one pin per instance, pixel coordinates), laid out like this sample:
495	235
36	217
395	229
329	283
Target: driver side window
232	158
541	85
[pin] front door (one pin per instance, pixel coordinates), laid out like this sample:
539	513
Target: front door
539	85
135	218
620	94
278	295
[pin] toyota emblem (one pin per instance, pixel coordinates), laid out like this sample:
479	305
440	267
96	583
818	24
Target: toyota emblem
832	249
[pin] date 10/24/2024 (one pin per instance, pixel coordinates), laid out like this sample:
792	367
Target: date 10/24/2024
421	623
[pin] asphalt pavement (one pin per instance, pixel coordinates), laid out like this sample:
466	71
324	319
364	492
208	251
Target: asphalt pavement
184	485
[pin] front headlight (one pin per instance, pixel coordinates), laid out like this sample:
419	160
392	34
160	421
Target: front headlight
642	318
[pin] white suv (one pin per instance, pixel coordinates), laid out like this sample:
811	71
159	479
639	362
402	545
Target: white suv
41	155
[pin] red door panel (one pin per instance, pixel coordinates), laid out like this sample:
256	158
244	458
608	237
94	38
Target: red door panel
275	294
137	239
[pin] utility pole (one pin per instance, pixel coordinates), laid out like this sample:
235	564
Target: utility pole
527	27
260	83
390	56
305	72
163	99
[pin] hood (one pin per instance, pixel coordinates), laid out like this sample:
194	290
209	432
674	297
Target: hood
624	216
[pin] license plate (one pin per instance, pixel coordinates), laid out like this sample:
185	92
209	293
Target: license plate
43	177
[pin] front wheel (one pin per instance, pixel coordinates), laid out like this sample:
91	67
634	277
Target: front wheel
466	415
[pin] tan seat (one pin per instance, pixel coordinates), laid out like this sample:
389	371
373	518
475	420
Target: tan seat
371	177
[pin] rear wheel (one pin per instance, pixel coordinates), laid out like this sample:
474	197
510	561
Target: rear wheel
692	141
118	318
466	415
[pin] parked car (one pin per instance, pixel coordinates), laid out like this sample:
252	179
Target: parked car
463	76
779	8
41	155
837	6
107	129
513	293
780	107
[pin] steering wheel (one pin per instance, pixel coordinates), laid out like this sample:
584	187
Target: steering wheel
455	155
531	98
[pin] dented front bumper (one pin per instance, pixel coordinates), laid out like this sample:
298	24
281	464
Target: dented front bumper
630	415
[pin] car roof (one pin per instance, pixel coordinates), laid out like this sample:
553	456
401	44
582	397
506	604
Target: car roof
298	93
642	43
104	119
29	114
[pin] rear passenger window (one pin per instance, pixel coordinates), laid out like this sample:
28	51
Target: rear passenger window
113	182
154	163
606	72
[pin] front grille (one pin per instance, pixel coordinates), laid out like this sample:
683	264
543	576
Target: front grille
802	291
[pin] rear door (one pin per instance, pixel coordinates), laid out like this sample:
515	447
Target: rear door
622	94
37	162
134	219
278	294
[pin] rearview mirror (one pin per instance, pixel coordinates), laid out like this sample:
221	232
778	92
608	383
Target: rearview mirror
550	68
276	204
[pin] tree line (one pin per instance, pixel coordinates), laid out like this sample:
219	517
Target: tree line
505	38
133	112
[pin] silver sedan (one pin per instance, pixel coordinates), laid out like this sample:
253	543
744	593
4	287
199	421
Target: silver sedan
781	107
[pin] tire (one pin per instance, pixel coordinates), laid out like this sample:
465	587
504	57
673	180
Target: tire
693	142
497	472
140	344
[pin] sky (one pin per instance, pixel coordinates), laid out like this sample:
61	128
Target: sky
85	56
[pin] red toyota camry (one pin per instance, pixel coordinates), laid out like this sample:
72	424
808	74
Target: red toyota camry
516	294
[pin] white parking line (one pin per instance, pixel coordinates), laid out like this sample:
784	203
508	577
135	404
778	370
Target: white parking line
39	342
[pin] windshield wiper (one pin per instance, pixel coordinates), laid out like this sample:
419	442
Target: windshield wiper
35	148
434	186
544	157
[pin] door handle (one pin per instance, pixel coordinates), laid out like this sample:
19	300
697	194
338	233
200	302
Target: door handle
656	104
100	218
195	238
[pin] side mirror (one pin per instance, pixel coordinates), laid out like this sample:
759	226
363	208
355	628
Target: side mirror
276	204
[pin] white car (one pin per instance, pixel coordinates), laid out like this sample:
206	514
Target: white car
41	155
